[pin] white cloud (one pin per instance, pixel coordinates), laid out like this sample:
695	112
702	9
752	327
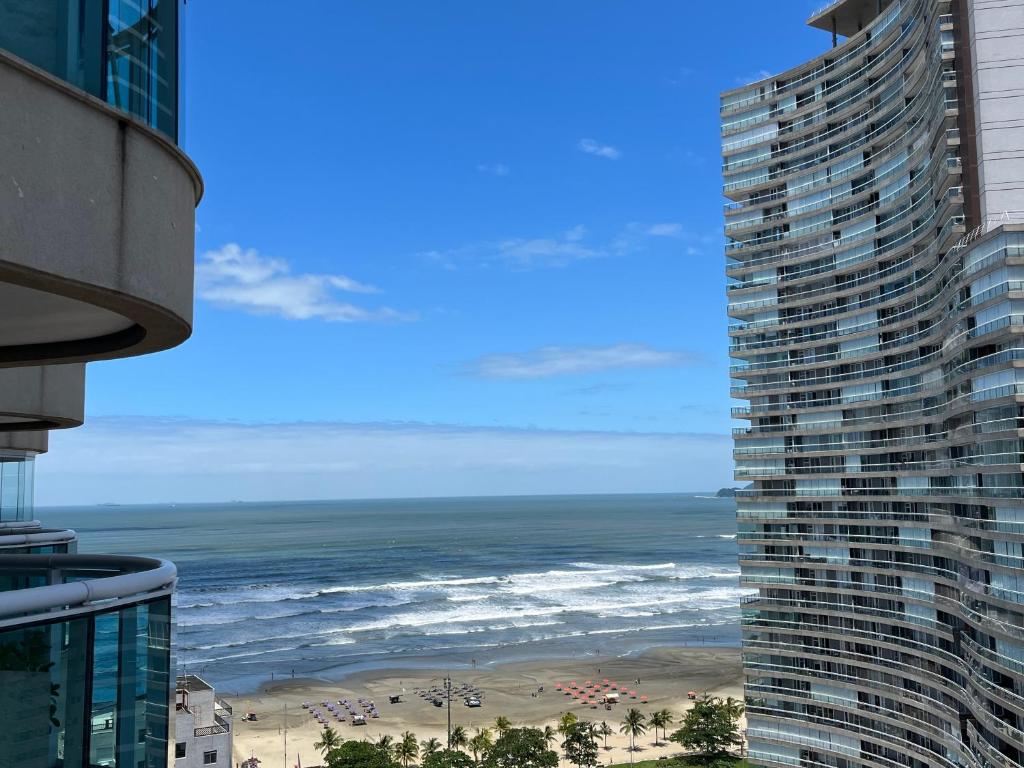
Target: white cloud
568	361
753	77
233	278
666	229
497	169
681	75
592	147
150	460
523	252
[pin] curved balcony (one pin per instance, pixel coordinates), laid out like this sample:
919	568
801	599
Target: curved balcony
42	397
32	538
98	222
84	659
79	582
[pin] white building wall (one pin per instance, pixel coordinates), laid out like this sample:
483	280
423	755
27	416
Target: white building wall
997	63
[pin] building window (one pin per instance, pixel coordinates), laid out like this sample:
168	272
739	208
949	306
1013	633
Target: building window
179	750
209	758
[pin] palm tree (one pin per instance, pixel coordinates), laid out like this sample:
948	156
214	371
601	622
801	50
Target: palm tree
604	731
633	724
458	738
734	707
385	744
329	740
480	743
667	718
550	734
502	724
567	721
407	749
657	720
429	746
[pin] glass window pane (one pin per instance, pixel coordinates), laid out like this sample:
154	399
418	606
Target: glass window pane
42	671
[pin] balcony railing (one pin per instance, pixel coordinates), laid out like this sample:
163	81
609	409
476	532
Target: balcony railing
84	579
220	726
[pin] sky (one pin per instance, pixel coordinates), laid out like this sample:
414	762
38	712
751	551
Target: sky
446	248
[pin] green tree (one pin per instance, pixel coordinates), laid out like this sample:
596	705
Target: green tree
660	719
429	746
329	739
502	724
633	724
458	738
551	735
448	758
711	727
521	748
604	731
480	743
359	754
385	743
580	745
407	749
566	721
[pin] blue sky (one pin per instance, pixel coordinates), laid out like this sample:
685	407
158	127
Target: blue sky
483	238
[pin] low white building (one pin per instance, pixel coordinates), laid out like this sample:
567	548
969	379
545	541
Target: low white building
202	726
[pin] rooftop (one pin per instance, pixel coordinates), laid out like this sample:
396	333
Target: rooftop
191	683
849	16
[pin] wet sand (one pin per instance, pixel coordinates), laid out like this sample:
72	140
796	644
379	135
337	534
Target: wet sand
665	675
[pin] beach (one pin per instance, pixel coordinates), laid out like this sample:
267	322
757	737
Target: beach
665	677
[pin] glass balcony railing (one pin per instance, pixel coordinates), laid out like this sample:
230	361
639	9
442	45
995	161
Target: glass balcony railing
84	659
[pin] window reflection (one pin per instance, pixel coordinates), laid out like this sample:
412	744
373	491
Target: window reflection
118	712
129	58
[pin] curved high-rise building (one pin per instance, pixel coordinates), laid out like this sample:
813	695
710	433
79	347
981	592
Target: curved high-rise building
97	222
875	256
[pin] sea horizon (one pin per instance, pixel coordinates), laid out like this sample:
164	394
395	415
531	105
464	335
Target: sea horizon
147	504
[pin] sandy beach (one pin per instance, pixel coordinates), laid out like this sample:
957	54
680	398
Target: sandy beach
665	675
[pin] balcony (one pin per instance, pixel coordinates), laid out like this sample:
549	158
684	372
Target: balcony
99	226
220	726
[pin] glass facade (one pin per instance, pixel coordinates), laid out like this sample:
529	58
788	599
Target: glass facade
17	481
122	51
90	690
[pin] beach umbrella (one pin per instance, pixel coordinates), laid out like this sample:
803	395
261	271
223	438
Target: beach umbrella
558	686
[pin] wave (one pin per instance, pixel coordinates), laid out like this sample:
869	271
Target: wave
404	585
582	576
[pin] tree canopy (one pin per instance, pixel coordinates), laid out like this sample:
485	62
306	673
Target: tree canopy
448	759
521	748
359	754
711	727
580	745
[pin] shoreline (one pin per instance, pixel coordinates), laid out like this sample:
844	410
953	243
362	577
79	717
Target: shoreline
241	685
513	690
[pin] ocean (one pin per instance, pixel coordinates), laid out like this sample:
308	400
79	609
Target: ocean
328	588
